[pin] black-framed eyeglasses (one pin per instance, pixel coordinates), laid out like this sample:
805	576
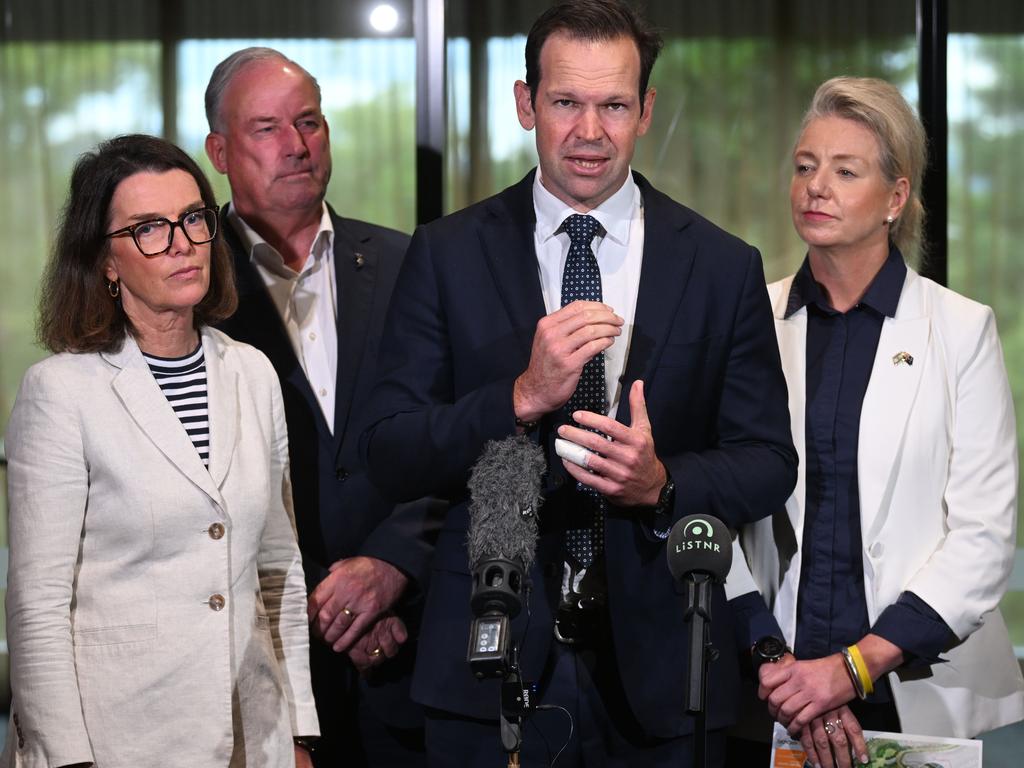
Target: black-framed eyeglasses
153	237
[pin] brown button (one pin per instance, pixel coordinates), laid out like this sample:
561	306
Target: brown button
216	531
216	602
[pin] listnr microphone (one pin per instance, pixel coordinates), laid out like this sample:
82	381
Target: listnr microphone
700	544
505	495
699	551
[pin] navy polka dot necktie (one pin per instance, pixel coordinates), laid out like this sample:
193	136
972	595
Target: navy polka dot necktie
581	281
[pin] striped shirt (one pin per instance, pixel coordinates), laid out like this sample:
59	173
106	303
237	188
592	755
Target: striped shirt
183	382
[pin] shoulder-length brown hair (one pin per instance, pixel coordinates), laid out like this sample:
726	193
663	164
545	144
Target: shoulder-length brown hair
76	311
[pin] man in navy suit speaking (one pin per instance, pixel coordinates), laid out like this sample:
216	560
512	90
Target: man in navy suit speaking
581	303
313	289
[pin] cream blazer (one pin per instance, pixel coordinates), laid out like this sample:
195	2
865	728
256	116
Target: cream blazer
155	610
937	466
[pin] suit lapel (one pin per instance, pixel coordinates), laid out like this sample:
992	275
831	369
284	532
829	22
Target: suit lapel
507	240
356	268
792	337
667	263
149	409
888	402
222	390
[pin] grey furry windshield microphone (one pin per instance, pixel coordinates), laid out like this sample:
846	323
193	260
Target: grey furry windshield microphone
505	495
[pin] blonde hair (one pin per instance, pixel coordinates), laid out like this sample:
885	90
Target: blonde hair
902	146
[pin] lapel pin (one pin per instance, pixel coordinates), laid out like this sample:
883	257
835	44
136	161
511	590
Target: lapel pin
903	357
359	260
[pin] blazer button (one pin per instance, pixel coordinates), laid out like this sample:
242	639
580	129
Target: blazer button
216	531
341	473
216	602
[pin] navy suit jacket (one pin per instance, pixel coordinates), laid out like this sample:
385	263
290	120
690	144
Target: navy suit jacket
459	333
338	512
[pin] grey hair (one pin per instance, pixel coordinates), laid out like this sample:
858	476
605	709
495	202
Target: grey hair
902	145
225	72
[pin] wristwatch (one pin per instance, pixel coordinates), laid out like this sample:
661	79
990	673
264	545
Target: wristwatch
307	743
527	426
666	497
768	649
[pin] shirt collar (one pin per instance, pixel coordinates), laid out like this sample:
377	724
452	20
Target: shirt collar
614	214
263	253
882	295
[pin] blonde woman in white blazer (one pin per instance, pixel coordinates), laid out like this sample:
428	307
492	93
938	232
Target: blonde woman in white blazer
156	604
934	474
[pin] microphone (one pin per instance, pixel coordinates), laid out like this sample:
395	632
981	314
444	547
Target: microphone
700	544
699	552
505	495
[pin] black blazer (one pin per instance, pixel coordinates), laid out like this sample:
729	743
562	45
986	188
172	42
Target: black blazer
460	331
338	512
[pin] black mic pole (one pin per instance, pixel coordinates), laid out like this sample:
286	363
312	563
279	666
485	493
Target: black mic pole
699	551
510	715
698	614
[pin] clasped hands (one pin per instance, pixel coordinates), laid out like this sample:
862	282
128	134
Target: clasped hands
350	610
624	466
810	699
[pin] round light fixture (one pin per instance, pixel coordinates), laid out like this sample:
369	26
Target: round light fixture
384	18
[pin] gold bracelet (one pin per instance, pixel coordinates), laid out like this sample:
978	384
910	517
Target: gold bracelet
851	670
862	670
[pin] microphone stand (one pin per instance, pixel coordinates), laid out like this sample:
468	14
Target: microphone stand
698	616
510	715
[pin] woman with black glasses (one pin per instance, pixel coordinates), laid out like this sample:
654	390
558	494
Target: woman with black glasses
156	603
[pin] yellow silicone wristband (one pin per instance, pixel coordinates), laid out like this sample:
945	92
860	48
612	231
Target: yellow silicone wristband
862	669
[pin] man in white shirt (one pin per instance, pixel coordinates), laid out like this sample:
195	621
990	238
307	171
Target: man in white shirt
313	291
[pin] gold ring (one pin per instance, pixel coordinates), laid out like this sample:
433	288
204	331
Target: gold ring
830	727
375	652
347	612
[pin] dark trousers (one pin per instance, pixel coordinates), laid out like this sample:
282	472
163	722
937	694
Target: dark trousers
602	731
353	733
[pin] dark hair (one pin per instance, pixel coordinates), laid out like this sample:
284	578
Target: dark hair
592	20
76	311
225	72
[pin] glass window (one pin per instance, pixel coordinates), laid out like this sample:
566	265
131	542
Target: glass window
986	223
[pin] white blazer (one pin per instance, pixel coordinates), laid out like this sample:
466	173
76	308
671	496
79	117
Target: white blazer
937	467
124	546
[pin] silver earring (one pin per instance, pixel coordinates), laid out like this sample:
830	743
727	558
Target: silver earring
113	288
889	220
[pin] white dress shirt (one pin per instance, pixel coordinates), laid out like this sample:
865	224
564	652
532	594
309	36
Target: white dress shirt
306	301
619	248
